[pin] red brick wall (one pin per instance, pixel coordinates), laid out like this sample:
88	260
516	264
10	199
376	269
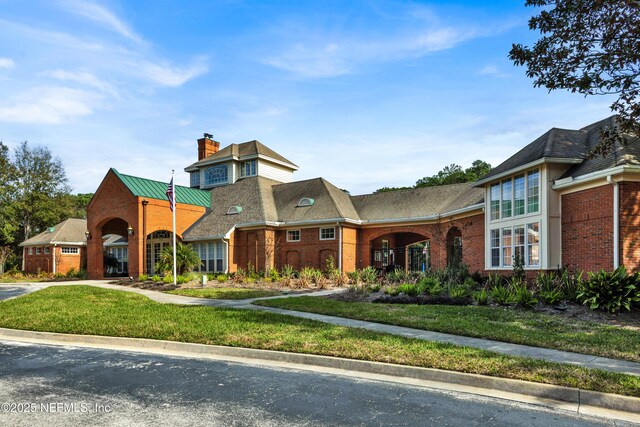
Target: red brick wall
310	251
472	228
630	224
587	229
113	200
44	262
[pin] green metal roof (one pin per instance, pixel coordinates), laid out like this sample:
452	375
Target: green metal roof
143	187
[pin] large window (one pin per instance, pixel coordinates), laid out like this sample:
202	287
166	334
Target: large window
520	240
515	196
293	235
216	175
248	168
195	179
211	256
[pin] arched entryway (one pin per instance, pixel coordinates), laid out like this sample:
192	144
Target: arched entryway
115	247
419	256
394	250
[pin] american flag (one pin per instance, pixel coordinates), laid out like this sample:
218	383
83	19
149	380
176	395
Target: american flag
170	190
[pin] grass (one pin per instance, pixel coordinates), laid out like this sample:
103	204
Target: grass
496	323
225	293
96	311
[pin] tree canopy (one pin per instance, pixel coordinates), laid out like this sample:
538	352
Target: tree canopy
34	193
452	174
589	47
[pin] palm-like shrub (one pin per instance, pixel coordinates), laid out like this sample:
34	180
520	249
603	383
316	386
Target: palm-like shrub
186	259
610	291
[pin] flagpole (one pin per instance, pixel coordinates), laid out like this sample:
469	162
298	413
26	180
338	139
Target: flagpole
173	196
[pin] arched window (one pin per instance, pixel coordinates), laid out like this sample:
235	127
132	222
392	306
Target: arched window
234	210
306	201
216	175
454	247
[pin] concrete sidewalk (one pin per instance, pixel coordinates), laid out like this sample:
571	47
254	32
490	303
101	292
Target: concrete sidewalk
587	361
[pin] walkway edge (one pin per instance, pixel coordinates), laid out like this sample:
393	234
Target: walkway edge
557	397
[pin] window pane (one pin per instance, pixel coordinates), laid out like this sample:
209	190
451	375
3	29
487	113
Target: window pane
495	248
533	191
506	198
195	179
533	244
518	238
495	201
518	205
506	247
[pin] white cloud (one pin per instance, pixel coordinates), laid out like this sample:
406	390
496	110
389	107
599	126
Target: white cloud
82	77
104	17
491	70
165	74
337	57
7	63
48	105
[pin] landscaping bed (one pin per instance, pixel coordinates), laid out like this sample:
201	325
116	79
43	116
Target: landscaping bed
95	311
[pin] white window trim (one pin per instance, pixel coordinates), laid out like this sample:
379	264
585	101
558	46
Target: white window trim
30	251
72	250
203	178
327	238
38	250
299	236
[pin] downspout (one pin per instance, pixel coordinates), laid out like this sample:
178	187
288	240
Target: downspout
616	222
53	251
24	254
339	247
144	237
226	243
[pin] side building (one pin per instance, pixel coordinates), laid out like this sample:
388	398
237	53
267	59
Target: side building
58	249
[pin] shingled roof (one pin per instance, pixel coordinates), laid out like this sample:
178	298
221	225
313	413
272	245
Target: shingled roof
69	231
245	150
417	202
571	147
264	201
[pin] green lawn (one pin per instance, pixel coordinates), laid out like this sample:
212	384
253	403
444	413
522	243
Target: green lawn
496	323
225	293
96	311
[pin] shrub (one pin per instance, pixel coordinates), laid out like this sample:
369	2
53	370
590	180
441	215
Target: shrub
501	295
428	282
392	290
458	292
306	276
571	285
518	267
374	287
168	278
545	282
610	291
410	289
436	289
494	280
396	276
240	276
551	297
274	275
72	272
143	277
156	278
354	277
522	296
182	279
222	278
481	297
186	259
288	272
369	275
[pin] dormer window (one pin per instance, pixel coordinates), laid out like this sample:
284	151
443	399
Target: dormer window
248	168
234	210
216	175
195	179
306	201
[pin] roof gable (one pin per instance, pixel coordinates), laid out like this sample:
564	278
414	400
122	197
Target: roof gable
245	150
68	231
143	187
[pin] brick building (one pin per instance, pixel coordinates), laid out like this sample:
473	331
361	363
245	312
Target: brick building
58	249
549	203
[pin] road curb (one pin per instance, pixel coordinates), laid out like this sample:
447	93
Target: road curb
558	397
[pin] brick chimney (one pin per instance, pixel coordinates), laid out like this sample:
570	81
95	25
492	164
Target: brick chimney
207	146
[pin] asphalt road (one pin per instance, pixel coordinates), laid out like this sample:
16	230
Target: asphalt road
8	291
61	386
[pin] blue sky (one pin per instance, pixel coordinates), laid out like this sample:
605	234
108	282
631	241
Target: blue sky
365	94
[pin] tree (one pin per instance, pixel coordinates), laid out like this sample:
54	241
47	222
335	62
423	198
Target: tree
8	226
186	259
589	47
39	179
5	253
